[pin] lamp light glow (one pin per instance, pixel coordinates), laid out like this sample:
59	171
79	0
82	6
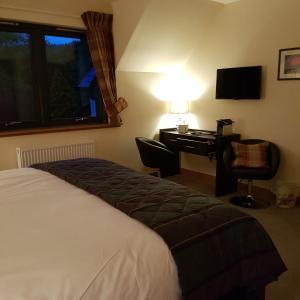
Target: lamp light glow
177	85
179	107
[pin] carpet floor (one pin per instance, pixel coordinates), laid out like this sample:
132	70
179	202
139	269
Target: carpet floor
283	225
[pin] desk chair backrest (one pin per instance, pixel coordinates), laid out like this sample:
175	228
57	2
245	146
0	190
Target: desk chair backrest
155	154
268	172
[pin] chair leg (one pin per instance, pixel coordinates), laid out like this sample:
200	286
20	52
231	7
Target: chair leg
247	201
250	201
249	187
151	171
155	174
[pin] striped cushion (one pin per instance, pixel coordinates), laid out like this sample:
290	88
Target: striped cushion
250	156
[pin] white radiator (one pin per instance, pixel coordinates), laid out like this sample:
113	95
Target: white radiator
27	157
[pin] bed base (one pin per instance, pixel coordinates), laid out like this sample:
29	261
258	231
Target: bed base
243	294
239	294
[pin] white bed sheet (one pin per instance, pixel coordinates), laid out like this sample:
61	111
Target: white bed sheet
59	242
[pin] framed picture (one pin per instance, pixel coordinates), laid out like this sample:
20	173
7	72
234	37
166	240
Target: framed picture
289	64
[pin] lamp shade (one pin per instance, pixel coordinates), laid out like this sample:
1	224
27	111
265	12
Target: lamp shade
179	107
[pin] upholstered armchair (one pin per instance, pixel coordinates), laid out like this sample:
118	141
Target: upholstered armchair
260	161
155	154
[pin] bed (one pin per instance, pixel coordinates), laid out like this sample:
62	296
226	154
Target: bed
92	229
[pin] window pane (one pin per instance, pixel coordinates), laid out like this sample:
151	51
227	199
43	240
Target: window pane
73	89
17	102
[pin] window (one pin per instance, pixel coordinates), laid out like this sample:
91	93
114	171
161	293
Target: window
46	78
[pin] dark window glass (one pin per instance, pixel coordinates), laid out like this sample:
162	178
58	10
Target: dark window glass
46	78
17	103
73	90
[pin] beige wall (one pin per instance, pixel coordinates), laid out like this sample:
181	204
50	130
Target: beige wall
152	37
251	32
55	12
201	37
141	117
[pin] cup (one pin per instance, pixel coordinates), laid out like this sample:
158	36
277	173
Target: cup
183	128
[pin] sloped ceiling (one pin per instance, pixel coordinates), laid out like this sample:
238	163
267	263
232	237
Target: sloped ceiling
167	34
225	1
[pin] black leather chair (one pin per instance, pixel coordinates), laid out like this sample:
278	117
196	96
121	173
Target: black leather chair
155	154
263	173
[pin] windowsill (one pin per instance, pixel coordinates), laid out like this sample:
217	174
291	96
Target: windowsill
56	129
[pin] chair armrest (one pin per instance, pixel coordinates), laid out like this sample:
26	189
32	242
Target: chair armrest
275	159
157	143
161	151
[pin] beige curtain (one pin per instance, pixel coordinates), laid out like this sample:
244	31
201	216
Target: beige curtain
101	46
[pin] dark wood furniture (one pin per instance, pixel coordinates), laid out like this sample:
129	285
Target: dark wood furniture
206	143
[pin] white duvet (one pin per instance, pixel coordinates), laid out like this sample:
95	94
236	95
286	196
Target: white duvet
58	242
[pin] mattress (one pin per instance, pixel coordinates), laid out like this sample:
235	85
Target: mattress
60	242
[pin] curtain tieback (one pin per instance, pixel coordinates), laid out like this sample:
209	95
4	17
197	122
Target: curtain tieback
120	104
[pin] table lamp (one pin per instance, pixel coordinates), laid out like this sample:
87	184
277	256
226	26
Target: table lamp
180	108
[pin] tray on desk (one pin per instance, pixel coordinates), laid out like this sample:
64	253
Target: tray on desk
201	132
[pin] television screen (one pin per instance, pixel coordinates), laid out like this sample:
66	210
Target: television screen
239	83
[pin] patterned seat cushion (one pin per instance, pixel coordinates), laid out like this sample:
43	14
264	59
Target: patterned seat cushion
251	155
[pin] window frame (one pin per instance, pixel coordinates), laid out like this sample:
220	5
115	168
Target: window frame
38	62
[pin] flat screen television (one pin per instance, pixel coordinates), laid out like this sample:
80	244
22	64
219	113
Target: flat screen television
239	83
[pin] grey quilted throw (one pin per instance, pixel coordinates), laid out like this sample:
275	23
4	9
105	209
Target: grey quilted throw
216	247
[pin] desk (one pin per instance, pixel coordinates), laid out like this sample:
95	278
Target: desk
205	143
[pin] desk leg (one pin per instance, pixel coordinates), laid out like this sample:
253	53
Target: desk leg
176	168
225	182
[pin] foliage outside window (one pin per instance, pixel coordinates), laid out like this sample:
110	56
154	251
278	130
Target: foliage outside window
46	78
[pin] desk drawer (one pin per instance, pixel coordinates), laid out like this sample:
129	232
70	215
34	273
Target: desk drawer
202	147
